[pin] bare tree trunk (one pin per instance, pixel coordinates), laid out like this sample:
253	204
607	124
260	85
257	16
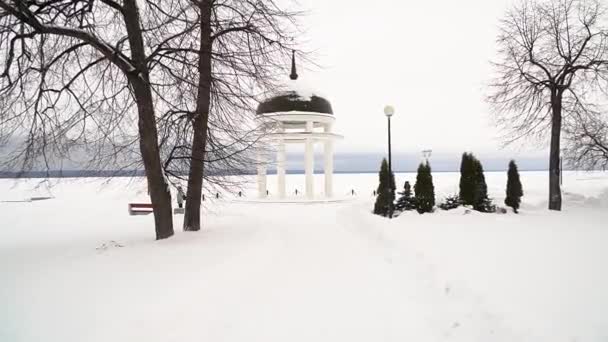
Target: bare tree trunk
148	144
148	137
555	194
192	217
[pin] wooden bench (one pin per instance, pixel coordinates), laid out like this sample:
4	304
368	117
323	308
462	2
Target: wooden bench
147	208
140	208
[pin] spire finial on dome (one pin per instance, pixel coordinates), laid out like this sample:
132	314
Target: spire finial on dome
294	74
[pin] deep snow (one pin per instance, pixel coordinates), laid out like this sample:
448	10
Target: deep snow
78	268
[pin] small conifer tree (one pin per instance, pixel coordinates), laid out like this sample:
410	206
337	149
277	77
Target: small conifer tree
424	189
450	202
481	201
473	188
467	179
514	188
406	201
386	191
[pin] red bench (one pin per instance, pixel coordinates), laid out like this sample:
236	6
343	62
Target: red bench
140	208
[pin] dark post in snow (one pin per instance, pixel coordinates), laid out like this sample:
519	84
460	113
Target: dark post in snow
389	111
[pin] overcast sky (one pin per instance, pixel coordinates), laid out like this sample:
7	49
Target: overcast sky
429	59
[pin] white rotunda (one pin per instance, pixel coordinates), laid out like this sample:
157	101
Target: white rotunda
297	115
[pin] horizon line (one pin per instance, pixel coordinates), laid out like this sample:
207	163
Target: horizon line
140	173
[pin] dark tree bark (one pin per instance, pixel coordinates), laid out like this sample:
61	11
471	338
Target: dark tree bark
148	135
555	193
192	219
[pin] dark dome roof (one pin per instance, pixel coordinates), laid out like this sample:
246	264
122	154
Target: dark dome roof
295	98
291	101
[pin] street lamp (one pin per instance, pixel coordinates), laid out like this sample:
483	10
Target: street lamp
389	111
426	154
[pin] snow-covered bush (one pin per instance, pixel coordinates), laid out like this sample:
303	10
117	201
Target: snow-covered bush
407	201
450	202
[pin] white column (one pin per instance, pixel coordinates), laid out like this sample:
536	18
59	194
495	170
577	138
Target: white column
309	162
329	167
262	189
281	168
309	126
309	168
328	163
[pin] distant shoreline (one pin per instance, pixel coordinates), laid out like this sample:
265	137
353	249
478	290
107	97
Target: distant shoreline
137	173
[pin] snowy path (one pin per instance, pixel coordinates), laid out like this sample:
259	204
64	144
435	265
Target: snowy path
324	283
323	277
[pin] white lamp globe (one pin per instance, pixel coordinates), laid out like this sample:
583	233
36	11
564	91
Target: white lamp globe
389	111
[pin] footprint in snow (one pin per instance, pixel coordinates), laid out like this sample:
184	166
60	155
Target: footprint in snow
111	244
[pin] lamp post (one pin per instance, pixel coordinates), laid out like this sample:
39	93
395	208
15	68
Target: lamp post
389	111
426	154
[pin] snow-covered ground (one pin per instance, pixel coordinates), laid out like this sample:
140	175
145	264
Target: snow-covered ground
78	268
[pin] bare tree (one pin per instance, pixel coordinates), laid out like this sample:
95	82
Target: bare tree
225	53
71	72
552	63
587	143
